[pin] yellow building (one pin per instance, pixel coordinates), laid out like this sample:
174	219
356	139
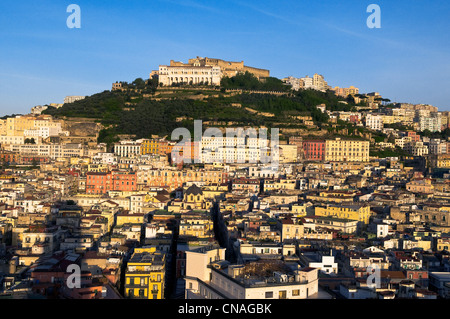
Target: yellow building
98	168
390	119
129	218
15	126
443	244
344	92
149	146
299	210
80	160
144	277
335	196
291	230
2	127
214	190
339	150
285	183
196	226
353	212
443	161
288	153
109	216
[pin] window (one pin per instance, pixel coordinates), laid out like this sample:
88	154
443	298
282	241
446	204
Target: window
296	292
269	294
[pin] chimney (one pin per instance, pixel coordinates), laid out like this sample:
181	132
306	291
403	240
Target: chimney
13	265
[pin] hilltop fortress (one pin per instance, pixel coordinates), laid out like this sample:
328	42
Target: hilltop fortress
205	71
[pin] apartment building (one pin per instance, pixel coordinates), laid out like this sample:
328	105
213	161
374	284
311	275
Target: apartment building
52	151
196	226
420	186
41	239
314	150
291	229
149	146
430	122
127	148
344	92
340	150
343	225
103	182
173	179
374	122
145	274
416	148
438	146
442	161
209	276
361	213
335	196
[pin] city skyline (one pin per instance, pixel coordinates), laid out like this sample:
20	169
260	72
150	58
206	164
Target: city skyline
406	60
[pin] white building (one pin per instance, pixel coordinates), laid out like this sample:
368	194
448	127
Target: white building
374	122
431	122
127	148
38	109
307	82
327	265
105	158
234	150
73	98
295	83
437	146
152	230
49	150
209	276
417	148
44	132
382	230
258	171
8	140
189	74
403	142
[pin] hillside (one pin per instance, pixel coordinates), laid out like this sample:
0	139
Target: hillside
145	110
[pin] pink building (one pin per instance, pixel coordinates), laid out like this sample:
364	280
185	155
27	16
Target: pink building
314	150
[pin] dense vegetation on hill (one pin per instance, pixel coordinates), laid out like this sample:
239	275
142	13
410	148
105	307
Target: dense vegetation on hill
129	112
397	152
248	81
444	134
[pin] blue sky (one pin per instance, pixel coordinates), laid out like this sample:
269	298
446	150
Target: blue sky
42	60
